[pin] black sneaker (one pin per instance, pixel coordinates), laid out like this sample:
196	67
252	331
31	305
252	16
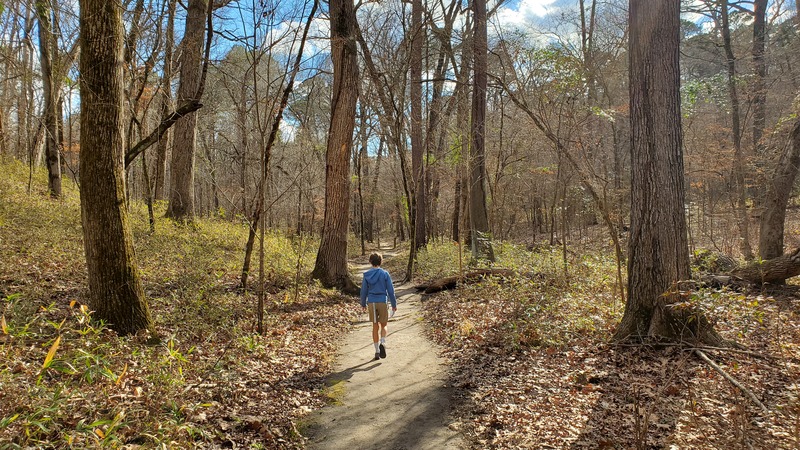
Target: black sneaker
377	356
382	351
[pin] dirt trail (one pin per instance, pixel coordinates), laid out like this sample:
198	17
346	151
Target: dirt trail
398	403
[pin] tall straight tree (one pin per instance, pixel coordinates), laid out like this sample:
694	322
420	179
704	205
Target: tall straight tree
736	134
181	195
331	264
478	215
658	247
115	289
418	228
415	90
759	97
165	97
47	55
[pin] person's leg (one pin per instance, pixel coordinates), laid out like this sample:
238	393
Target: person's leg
375	319
383	317
384	332
375	327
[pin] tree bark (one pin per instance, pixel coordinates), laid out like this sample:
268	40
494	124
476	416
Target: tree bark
460	220
740	189
331	263
47	56
775	271
759	99
776	197
371	224
658	246
115	290
25	99
479	219
162	151
419	235
360	173
181	195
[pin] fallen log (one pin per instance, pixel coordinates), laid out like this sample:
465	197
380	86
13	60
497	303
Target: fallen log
774	271
446	283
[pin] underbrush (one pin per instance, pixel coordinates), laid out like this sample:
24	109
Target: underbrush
533	366
206	380
539	307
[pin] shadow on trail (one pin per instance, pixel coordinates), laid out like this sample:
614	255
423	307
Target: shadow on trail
422	424
346	374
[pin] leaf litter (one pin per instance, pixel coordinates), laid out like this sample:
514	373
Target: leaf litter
532	375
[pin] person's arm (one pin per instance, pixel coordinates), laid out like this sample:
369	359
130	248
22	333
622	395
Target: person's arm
390	290
364	290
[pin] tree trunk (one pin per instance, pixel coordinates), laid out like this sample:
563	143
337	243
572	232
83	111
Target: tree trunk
460	221
658	247
452	282
331	263
419	235
181	195
776	270
740	189
479	219
759	99
372	194
776	197
797	13
115	289
360	172
455	232
47	56
161	181
25	99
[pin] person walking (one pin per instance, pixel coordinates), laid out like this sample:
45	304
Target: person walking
375	289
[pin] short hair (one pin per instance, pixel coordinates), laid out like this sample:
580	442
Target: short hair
375	259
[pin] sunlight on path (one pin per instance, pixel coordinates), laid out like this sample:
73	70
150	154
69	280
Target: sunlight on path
398	403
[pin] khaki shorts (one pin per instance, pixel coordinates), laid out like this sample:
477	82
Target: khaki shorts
378	312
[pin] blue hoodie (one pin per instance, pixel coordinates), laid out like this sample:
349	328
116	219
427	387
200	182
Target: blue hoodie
376	286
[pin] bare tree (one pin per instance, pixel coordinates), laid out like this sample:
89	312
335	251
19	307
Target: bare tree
181	195
759	95
419	236
48	54
165	97
736	132
115	289
331	263
479	219
658	247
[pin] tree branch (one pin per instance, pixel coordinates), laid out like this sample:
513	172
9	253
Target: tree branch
162	128
732	380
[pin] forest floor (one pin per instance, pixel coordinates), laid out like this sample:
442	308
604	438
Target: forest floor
515	363
537	371
398	403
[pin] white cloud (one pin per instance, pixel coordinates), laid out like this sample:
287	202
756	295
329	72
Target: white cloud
525	12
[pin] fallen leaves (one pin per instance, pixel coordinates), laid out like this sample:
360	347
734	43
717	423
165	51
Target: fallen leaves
579	392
